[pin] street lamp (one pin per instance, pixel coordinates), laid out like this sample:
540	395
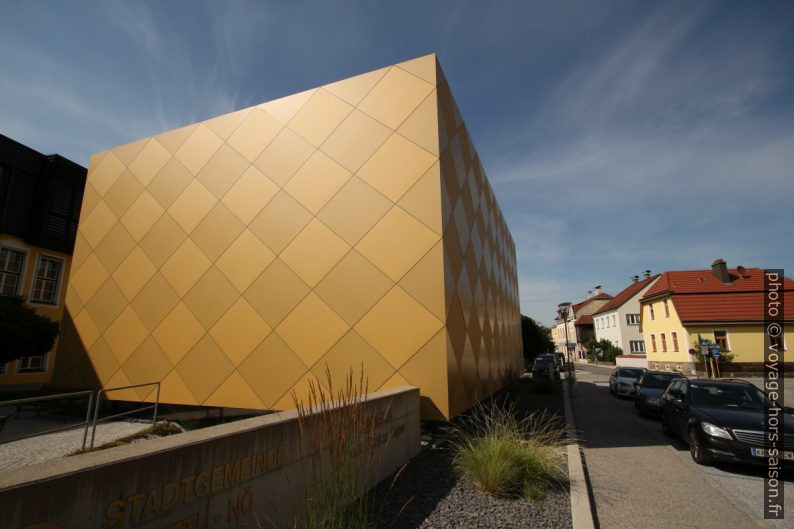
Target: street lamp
564	307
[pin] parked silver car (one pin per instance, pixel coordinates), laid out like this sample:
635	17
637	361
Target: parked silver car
622	379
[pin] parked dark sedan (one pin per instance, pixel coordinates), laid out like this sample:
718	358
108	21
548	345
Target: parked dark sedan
545	366
723	420
648	390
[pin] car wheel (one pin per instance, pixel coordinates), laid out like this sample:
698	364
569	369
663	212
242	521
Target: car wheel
696	448
611	389
665	428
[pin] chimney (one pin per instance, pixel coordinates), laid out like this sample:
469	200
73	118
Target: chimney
635	279
646	274
589	294
720	271
597	290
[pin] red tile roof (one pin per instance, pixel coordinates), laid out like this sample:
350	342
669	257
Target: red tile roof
626	294
742	307
703	281
587	319
698	296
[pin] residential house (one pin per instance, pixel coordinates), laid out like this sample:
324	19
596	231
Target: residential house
722	305
579	322
618	321
40	197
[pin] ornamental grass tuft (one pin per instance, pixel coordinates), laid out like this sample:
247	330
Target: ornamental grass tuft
507	456
339	449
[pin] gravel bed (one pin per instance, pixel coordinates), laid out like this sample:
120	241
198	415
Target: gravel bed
427	493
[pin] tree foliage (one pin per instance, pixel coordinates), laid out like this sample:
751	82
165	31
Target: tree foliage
536	338
610	350
23	332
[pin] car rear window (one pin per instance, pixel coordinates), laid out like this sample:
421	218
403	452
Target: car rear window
658	380
630	372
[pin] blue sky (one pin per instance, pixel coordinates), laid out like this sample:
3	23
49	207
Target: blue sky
619	136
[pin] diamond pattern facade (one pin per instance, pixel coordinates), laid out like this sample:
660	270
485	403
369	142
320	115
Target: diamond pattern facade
351	225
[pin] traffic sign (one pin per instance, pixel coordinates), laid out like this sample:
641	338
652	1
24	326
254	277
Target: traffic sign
715	350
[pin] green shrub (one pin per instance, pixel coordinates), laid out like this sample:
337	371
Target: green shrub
507	456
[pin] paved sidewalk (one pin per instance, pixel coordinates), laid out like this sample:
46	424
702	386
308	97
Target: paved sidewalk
642	479
45	447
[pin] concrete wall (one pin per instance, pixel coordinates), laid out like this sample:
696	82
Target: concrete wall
226	476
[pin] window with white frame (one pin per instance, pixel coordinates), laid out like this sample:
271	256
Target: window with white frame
613	321
636	346
632	319
45	285
32	364
10	271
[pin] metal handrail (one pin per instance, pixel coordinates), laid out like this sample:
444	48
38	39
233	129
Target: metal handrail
137	410
17	402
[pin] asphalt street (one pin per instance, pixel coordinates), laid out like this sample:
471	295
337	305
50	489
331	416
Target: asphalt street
640	478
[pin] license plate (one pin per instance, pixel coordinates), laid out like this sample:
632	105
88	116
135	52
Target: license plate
759	452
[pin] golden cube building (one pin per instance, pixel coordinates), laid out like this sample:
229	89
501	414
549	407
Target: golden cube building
345	226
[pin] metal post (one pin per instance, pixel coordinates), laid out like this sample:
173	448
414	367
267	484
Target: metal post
156	403
87	418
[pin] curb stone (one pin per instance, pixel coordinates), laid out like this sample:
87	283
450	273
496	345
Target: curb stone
581	509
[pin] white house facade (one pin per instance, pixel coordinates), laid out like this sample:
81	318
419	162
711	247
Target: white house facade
619	320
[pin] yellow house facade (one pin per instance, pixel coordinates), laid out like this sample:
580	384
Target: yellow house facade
39	277
721	305
347	226
39	206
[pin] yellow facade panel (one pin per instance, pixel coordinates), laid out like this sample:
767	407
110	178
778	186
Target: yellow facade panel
284	156
244	260
204	368
178	332
222	170
280	221
396	166
154	301
314	252
353	210
106	172
141	215
396	243
276	292
217	231
319	116
352	90
198	148
353	286
211	297
395	97
397	343
122	193
326	328
342	227
271	369
317	181
355	139
149	161
238	331
252	191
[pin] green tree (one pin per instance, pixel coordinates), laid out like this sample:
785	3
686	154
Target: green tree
536	338
610	351
23	332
